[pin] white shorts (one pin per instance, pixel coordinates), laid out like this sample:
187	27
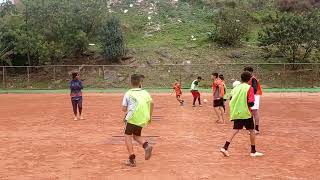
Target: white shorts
256	102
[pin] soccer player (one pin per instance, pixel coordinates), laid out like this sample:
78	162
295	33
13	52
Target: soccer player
195	91
138	106
254	82
240	113
218	94
177	89
225	97
76	95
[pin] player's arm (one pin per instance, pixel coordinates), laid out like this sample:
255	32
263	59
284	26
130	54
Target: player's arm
251	97
81	85
221	88
125	104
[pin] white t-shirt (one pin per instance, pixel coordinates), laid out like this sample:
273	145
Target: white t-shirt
130	104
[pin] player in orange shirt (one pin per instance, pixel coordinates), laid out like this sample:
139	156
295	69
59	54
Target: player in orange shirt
218	95
177	89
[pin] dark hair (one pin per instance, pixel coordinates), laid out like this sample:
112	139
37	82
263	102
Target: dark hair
199	77
245	76
74	75
215	74
136	79
250	69
221	76
177	80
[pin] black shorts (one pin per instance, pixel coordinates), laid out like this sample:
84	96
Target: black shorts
132	129
218	103
240	123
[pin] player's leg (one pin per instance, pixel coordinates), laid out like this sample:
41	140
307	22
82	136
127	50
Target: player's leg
224	149
145	145
199	99
74	107
237	126
222	114
80	107
249	124
255	112
194	98
128	141
216	110
256	119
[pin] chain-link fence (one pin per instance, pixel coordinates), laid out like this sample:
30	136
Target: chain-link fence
276	75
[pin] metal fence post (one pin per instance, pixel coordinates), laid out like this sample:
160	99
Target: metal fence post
28	72
4	78
103	74
54	73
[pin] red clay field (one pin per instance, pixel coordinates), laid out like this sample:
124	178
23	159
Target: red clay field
40	140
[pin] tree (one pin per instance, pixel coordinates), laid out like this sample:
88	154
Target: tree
232	27
296	36
112	40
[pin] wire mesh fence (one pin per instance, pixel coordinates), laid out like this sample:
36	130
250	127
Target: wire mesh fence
276	75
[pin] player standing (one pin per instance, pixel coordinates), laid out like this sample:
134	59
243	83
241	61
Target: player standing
218	94
254	82
76	95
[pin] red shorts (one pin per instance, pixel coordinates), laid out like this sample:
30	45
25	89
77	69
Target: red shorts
195	94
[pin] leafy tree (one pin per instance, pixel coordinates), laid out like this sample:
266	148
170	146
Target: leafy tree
295	36
232	27
112	40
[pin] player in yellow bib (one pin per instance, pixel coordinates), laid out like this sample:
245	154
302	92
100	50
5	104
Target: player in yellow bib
138	105
242	99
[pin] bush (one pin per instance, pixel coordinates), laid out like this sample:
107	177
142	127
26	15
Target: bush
112	40
295	36
296	5
232	27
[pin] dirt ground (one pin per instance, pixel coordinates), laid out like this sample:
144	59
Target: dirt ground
40	140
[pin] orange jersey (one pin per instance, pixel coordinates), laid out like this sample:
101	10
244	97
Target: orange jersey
218	85
177	88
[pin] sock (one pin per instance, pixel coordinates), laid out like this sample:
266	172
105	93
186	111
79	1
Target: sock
145	145
257	127
226	146
132	157
253	149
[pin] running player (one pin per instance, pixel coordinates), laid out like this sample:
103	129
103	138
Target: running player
138	106
242	98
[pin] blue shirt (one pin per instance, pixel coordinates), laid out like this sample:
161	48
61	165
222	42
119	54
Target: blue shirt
76	87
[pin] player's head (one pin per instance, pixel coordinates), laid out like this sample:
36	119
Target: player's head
221	77
75	75
135	80
214	75
199	78
176	80
246	76
248	69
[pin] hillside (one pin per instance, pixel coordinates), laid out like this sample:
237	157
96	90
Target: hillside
173	32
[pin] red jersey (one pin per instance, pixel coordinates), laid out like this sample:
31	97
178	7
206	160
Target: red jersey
177	88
